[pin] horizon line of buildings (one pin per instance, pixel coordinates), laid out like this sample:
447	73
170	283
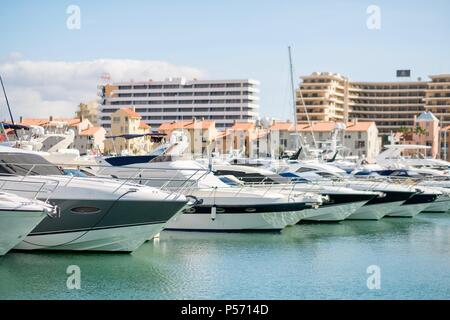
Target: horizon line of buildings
257	138
321	97
261	138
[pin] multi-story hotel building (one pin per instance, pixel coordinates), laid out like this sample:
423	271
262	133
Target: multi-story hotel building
391	105
437	98
223	101
323	95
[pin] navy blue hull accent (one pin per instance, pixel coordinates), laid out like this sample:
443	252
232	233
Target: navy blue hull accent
390	196
126	160
420	198
109	214
336	199
245	209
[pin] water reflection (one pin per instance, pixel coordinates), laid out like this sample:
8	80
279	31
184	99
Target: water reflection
104	276
312	261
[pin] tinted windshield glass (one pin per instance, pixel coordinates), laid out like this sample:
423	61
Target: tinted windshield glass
24	163
74	173
228	181
249	177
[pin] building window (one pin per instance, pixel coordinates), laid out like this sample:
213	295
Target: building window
360	144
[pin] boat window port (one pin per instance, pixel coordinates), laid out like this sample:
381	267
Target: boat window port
85	210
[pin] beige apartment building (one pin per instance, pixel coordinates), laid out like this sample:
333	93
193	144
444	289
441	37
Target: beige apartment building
329	96
126	123
437	98
322	97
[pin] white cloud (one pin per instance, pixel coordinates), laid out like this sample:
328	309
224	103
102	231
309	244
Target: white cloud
44	88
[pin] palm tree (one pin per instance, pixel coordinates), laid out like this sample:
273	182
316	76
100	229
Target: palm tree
420	131
404	131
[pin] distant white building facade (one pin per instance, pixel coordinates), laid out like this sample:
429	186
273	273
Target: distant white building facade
158	102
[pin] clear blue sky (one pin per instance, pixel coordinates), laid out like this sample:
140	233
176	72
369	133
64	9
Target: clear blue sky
235	39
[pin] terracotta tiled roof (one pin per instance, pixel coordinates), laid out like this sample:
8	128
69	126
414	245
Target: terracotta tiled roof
47	122
132	113
329	126
186	124
90	132
34	122
70	121
282	126
359	126
316	126
143	125
243	126
204	124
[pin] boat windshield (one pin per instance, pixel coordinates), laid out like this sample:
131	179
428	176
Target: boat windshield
26	164
250	177
228	181
74	173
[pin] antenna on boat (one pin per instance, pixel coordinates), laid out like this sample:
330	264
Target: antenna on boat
7	104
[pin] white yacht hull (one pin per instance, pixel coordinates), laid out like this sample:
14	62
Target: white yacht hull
408	210
118	239
264	221
335	212
15	226
442	204
374	211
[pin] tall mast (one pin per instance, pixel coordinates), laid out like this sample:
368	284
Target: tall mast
7	104
291	72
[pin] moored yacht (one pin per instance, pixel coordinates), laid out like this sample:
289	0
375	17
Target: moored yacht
398	200
339	204
95	214
18	216
220	207
406	200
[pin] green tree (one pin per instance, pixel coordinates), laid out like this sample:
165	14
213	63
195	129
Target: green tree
420	131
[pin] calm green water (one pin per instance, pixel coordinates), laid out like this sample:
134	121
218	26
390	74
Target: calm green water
311	261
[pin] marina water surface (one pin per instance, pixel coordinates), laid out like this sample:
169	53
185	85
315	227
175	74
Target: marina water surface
307	261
